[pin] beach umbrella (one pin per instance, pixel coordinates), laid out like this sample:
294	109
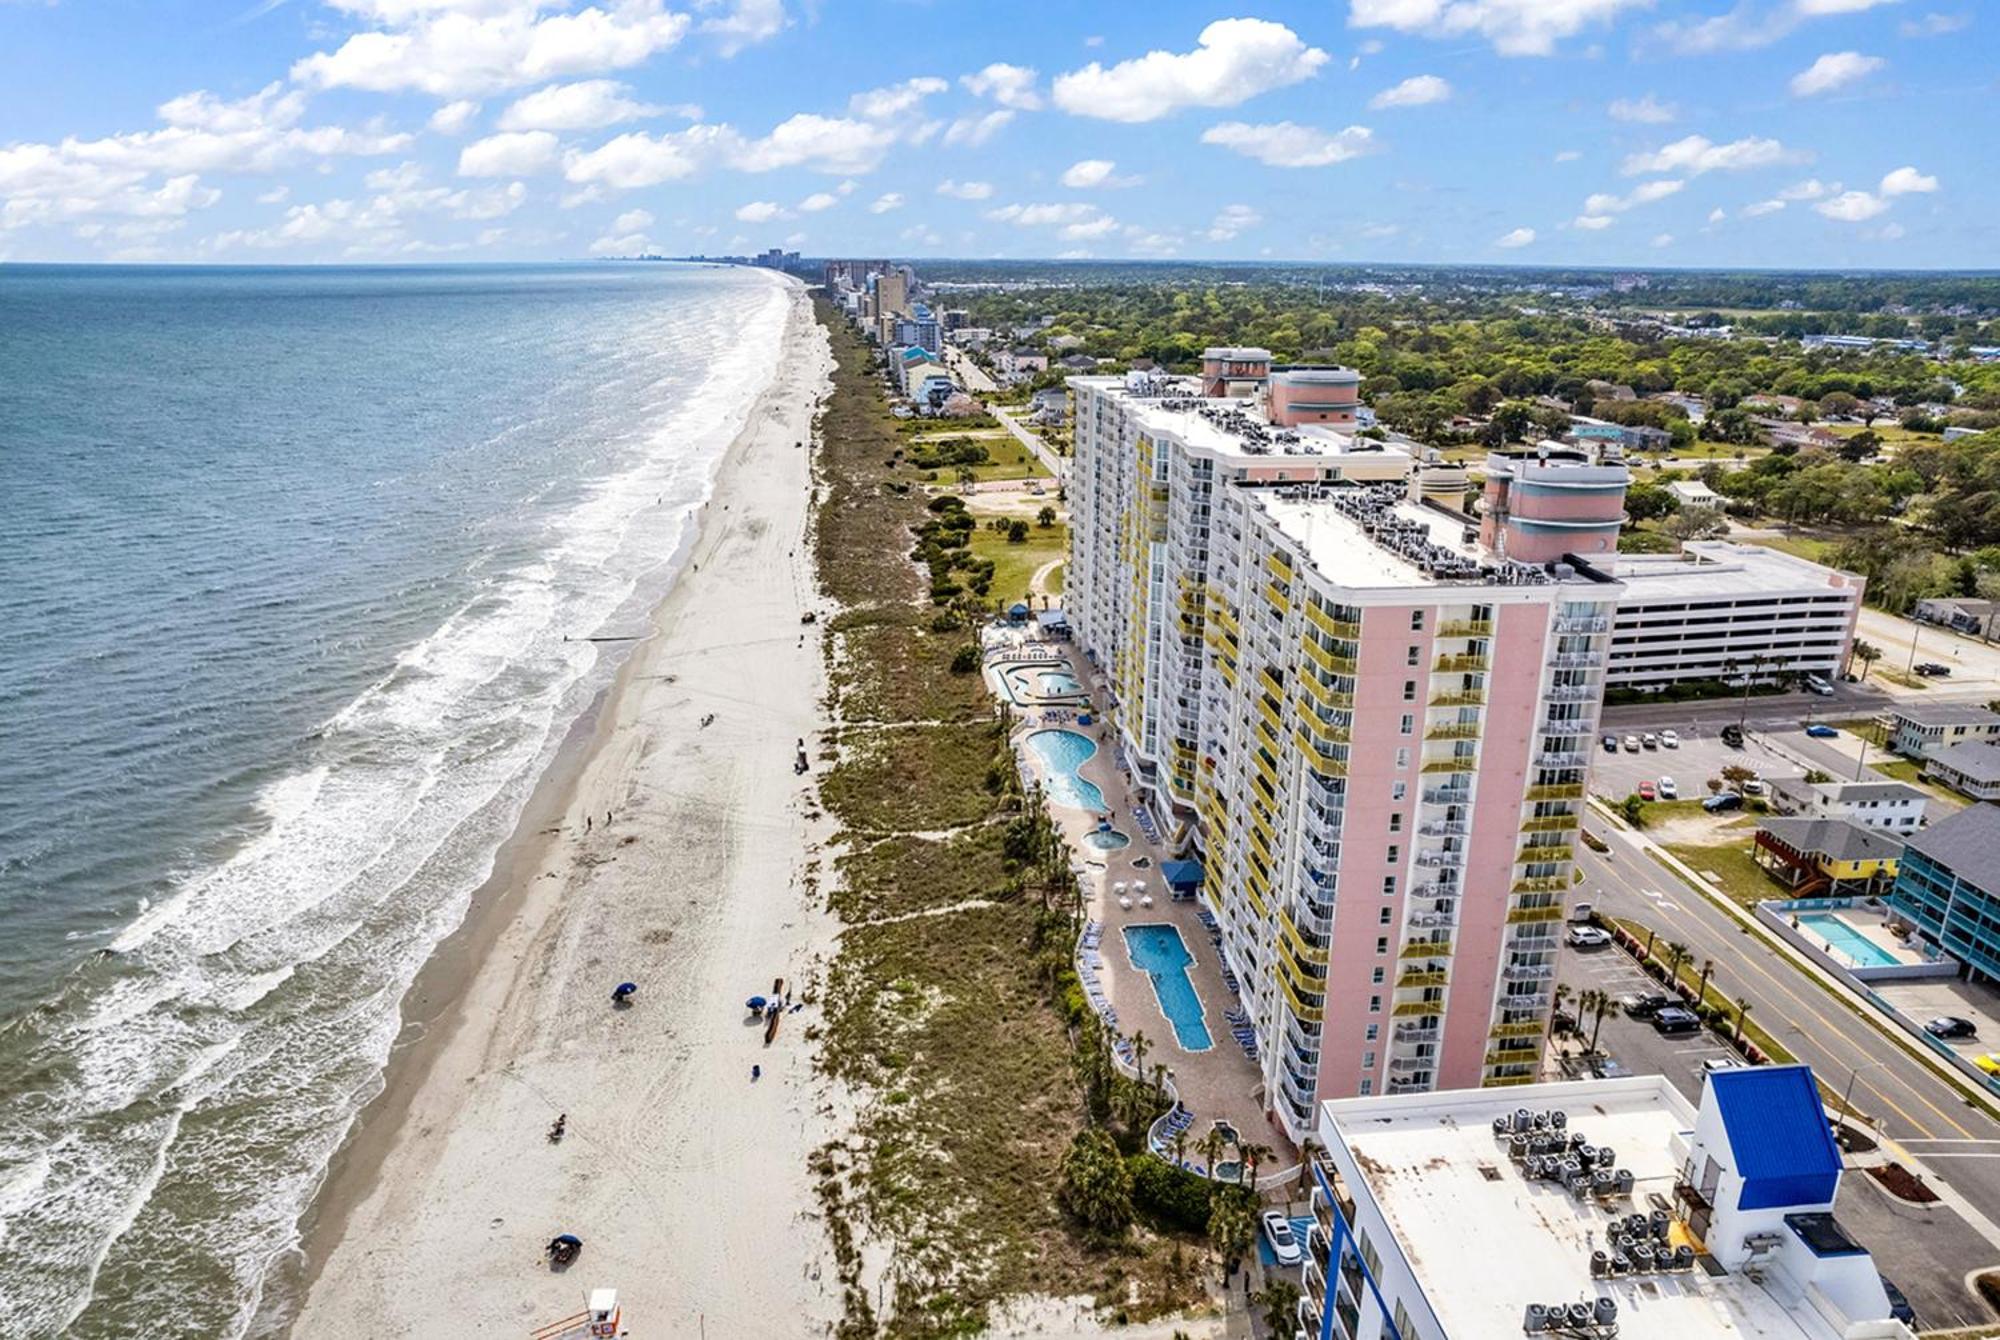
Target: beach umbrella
568	1240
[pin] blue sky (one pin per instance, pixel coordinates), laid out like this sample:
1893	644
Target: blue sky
1829	133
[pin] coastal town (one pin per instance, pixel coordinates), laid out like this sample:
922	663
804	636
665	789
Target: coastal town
1360	755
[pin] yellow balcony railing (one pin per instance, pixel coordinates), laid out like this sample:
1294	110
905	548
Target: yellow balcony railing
1459	698
1345	629
1461	664
1528	1028
1440	765
1453	730
1418	1009
1280	564
1420	977
1326	660
1427	949
1334	700
1280	599
1526	915
1562	791
1541	884
1308	1013
1551	823
1269	712
1466	628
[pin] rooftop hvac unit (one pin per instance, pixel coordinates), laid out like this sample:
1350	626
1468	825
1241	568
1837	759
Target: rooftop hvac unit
1536	1322
1604	1311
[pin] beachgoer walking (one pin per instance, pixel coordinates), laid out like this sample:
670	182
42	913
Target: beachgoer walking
586	823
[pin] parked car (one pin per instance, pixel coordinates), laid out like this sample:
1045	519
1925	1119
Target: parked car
1899	1304
1644	1005
1284	1242
1722	800
1674	1019
1582	912
1951	1026
1649	740
1990	1063
1646	791
1669	789
1611	744
1631	744
1753	786
1814	684
1932	670
1732	735
1670	739
1715	1063
1589	937
1819	730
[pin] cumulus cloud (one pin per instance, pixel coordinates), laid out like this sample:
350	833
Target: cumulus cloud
1644	194
627	244
1232	220
761	211
832	144
966	190
454	118
1008	85
1762	207
1934	25
1835	70
1646	111
1519	237
1234	61
747	23
1591	223
1697	154
1416	91
636	159
885	202
880	104
1513	27
1751	24
1289	145
818	201
632	221
1090	174
454	50
973	131
1812	188
1907	181
590	104
514	153
1852	206
1663	239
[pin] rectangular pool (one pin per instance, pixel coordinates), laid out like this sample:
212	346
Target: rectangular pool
1158	951
1844	942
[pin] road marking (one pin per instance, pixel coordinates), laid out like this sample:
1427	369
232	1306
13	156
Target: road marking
1948	1140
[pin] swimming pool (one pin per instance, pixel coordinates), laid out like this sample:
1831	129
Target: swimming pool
1158	951
1106	839
1058	683
1032	685
1846	943
1062	753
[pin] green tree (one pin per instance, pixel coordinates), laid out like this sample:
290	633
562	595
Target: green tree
1280	1300
1232	1226
1046	517
1094	1184
1650	502
1017	532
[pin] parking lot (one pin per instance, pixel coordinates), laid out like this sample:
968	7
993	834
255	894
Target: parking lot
1701	755
1634	1043
1950	998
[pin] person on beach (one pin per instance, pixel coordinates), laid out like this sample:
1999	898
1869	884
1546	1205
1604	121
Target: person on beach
756	1073
586	823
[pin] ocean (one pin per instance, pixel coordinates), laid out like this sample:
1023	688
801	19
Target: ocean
297	568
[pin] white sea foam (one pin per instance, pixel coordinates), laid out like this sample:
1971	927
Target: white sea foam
271	982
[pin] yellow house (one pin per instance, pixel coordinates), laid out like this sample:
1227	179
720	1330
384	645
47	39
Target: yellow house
1827	858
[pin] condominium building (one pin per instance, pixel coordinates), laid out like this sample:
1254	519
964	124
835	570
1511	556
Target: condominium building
1372	726
1721	611
1948	887
1586	1211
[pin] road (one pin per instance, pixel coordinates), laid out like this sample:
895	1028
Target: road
1053	463
1902	1095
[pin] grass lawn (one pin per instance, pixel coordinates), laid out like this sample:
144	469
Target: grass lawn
1010	460
1015	564
1812	548
1055	581
1901	678
1739	875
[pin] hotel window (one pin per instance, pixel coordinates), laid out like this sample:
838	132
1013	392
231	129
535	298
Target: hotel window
1374	1030
1409	690
1367	1086
1381	944
1376	980
1409	724
1387	912
1374	1004
1416	621
1402	759
1415	653
1398	790
1368	1060
1394	853
1388	886
1396	819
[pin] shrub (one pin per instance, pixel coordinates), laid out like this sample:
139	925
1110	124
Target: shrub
966	659
1094	1184
1173	1196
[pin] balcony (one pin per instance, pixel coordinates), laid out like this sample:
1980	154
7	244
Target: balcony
1435	860
1416	1033
1459	698
1574	660
1327	661
1417	949
1341	628
1528	972
1453	730
1562	760
1449	795
1445	828
1571	693
1418	978
1547	823
1574	624
1466	628
1279	598
1529	915
1456	763
1466	664
1555	791
1542	884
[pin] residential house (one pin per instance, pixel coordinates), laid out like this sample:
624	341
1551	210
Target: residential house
1694	493
1948	887
1980	618
1917	730
1969	769
1887	807
1826	858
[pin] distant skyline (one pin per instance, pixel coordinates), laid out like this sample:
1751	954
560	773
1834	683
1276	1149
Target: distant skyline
1767	133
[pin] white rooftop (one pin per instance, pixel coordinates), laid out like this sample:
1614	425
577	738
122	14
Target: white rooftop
1484	1242
1230	428
1718	569
1335	543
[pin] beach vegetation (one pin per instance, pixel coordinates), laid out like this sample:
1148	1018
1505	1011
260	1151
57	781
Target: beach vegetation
1096	1186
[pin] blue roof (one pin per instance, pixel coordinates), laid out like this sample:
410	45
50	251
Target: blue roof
1181	874
1778	1132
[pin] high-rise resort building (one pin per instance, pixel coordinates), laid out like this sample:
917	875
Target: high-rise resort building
1369	723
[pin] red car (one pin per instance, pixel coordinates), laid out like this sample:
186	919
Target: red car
1647	792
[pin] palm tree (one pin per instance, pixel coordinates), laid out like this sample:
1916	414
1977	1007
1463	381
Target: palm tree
1677	954
1562	995
1596	1004
1707	971
1253	1154
1212	1146
1649	946
1742	1013
1867	653
1160	1081
1232	1227
1139	1049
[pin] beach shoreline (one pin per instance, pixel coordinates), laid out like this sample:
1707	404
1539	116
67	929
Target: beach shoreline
669	843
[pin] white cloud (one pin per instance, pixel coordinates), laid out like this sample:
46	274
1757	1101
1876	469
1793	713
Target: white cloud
1008	85
636	159
818	201
1643	194
747	23
821	143
453	50
1934	25
1818	8
1519	237
1646	111
1761	208
1812	188
880	104
1089	229
1094	173
1908	181
1232	220
630	244
1416	91
973	131
1592	222
1663	239
1076	220
761	211
966	190
1234	61
515	153
1567	155
454	118
1852	206
882	204
1289	145
1697	154
632	221
1514	27
1835	70
1750	25
1378	231
922	235
1717	215
590	104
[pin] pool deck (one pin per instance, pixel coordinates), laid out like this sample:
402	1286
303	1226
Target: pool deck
1222	1083
1866	924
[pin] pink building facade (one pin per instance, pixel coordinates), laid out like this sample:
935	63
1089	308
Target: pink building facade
1541	506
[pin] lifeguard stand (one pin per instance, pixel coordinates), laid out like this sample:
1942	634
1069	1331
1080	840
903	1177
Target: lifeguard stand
601	1319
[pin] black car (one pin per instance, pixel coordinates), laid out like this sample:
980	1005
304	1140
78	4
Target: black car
1932	670
1950	1026
1899	1306
1674	1019
1644	1006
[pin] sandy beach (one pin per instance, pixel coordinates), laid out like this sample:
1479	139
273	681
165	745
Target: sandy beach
671	853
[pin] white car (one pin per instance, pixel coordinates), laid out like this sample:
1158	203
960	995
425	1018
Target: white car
1589	937
1631	744
1670	739
1650	740
1284	1242
1669	789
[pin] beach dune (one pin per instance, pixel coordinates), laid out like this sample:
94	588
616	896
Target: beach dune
673	854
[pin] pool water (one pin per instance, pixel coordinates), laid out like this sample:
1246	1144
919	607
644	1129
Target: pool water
1107	839
1158	951
1058	683
1062	753
1845	942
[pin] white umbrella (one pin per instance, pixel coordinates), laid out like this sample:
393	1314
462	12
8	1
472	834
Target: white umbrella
1118	887
1145	900
1124	902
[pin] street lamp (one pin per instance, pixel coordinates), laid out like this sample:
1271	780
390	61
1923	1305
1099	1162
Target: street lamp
1862	761
1846	1106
